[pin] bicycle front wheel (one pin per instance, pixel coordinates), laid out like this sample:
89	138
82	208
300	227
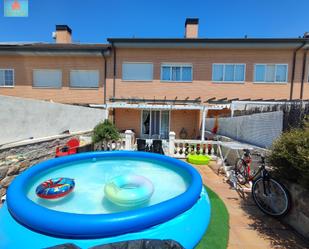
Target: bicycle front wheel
271	197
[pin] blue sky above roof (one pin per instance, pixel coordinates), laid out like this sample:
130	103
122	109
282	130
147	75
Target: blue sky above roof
93	21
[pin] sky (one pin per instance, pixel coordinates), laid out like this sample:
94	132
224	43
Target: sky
92	21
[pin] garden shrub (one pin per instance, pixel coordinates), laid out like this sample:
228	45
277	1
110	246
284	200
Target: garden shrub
105	132
290	155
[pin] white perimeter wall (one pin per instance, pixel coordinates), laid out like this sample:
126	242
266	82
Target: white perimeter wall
23	118
259	129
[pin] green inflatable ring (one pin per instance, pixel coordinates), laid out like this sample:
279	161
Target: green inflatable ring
129	190
199	159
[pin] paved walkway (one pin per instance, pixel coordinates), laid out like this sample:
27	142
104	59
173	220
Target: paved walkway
249	227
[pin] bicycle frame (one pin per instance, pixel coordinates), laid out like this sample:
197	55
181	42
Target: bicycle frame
247	159
266	196
264	174
261	170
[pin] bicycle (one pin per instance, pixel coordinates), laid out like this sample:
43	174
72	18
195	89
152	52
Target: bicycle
268	194
243	168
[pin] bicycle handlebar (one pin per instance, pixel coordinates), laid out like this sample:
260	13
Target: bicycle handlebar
248	152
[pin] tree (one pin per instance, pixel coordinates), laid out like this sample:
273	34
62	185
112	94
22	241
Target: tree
105	132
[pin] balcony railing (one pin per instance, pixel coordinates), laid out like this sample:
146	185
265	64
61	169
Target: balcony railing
125	142
182	148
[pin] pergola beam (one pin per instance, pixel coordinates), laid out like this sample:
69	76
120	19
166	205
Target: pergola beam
223	99
138	100
208	100
234	99
149	106
154	106
265	102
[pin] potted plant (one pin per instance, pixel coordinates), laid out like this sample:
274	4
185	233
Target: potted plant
183	134
104	133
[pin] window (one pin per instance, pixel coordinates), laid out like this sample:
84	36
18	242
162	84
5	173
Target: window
182	73
46	78
155	124
228	72
6	77
84	78
271	73
137	71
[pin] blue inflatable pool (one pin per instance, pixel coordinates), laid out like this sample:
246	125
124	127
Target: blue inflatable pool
37	224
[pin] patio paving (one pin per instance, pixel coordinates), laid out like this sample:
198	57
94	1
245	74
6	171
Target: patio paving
249	227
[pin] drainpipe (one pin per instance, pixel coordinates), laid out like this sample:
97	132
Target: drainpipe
104	79
293	68
114	76
303	74
114	79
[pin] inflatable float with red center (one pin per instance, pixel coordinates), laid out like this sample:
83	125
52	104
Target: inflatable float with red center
55	188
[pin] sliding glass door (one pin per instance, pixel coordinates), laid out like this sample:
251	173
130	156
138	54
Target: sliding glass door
155	124
165	124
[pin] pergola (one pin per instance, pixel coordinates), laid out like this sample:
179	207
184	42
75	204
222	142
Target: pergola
163	104
191	104
235	103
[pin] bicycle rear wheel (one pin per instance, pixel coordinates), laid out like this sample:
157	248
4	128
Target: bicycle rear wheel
271	197
241	171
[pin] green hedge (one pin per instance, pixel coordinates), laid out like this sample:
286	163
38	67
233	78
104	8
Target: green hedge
290	156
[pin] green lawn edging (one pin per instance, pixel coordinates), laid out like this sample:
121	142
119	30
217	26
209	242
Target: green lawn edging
217	233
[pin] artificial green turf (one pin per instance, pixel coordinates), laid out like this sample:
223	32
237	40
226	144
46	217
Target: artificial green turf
217	234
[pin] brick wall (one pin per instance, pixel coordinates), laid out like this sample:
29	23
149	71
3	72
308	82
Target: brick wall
202	85
131	119
128	119
191	31
189	120
24	65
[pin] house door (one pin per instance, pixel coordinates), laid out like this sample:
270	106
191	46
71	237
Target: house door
155	124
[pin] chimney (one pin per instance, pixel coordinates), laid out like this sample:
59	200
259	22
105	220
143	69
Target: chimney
191	28
63	34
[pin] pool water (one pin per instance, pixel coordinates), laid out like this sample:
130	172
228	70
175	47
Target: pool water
91	176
